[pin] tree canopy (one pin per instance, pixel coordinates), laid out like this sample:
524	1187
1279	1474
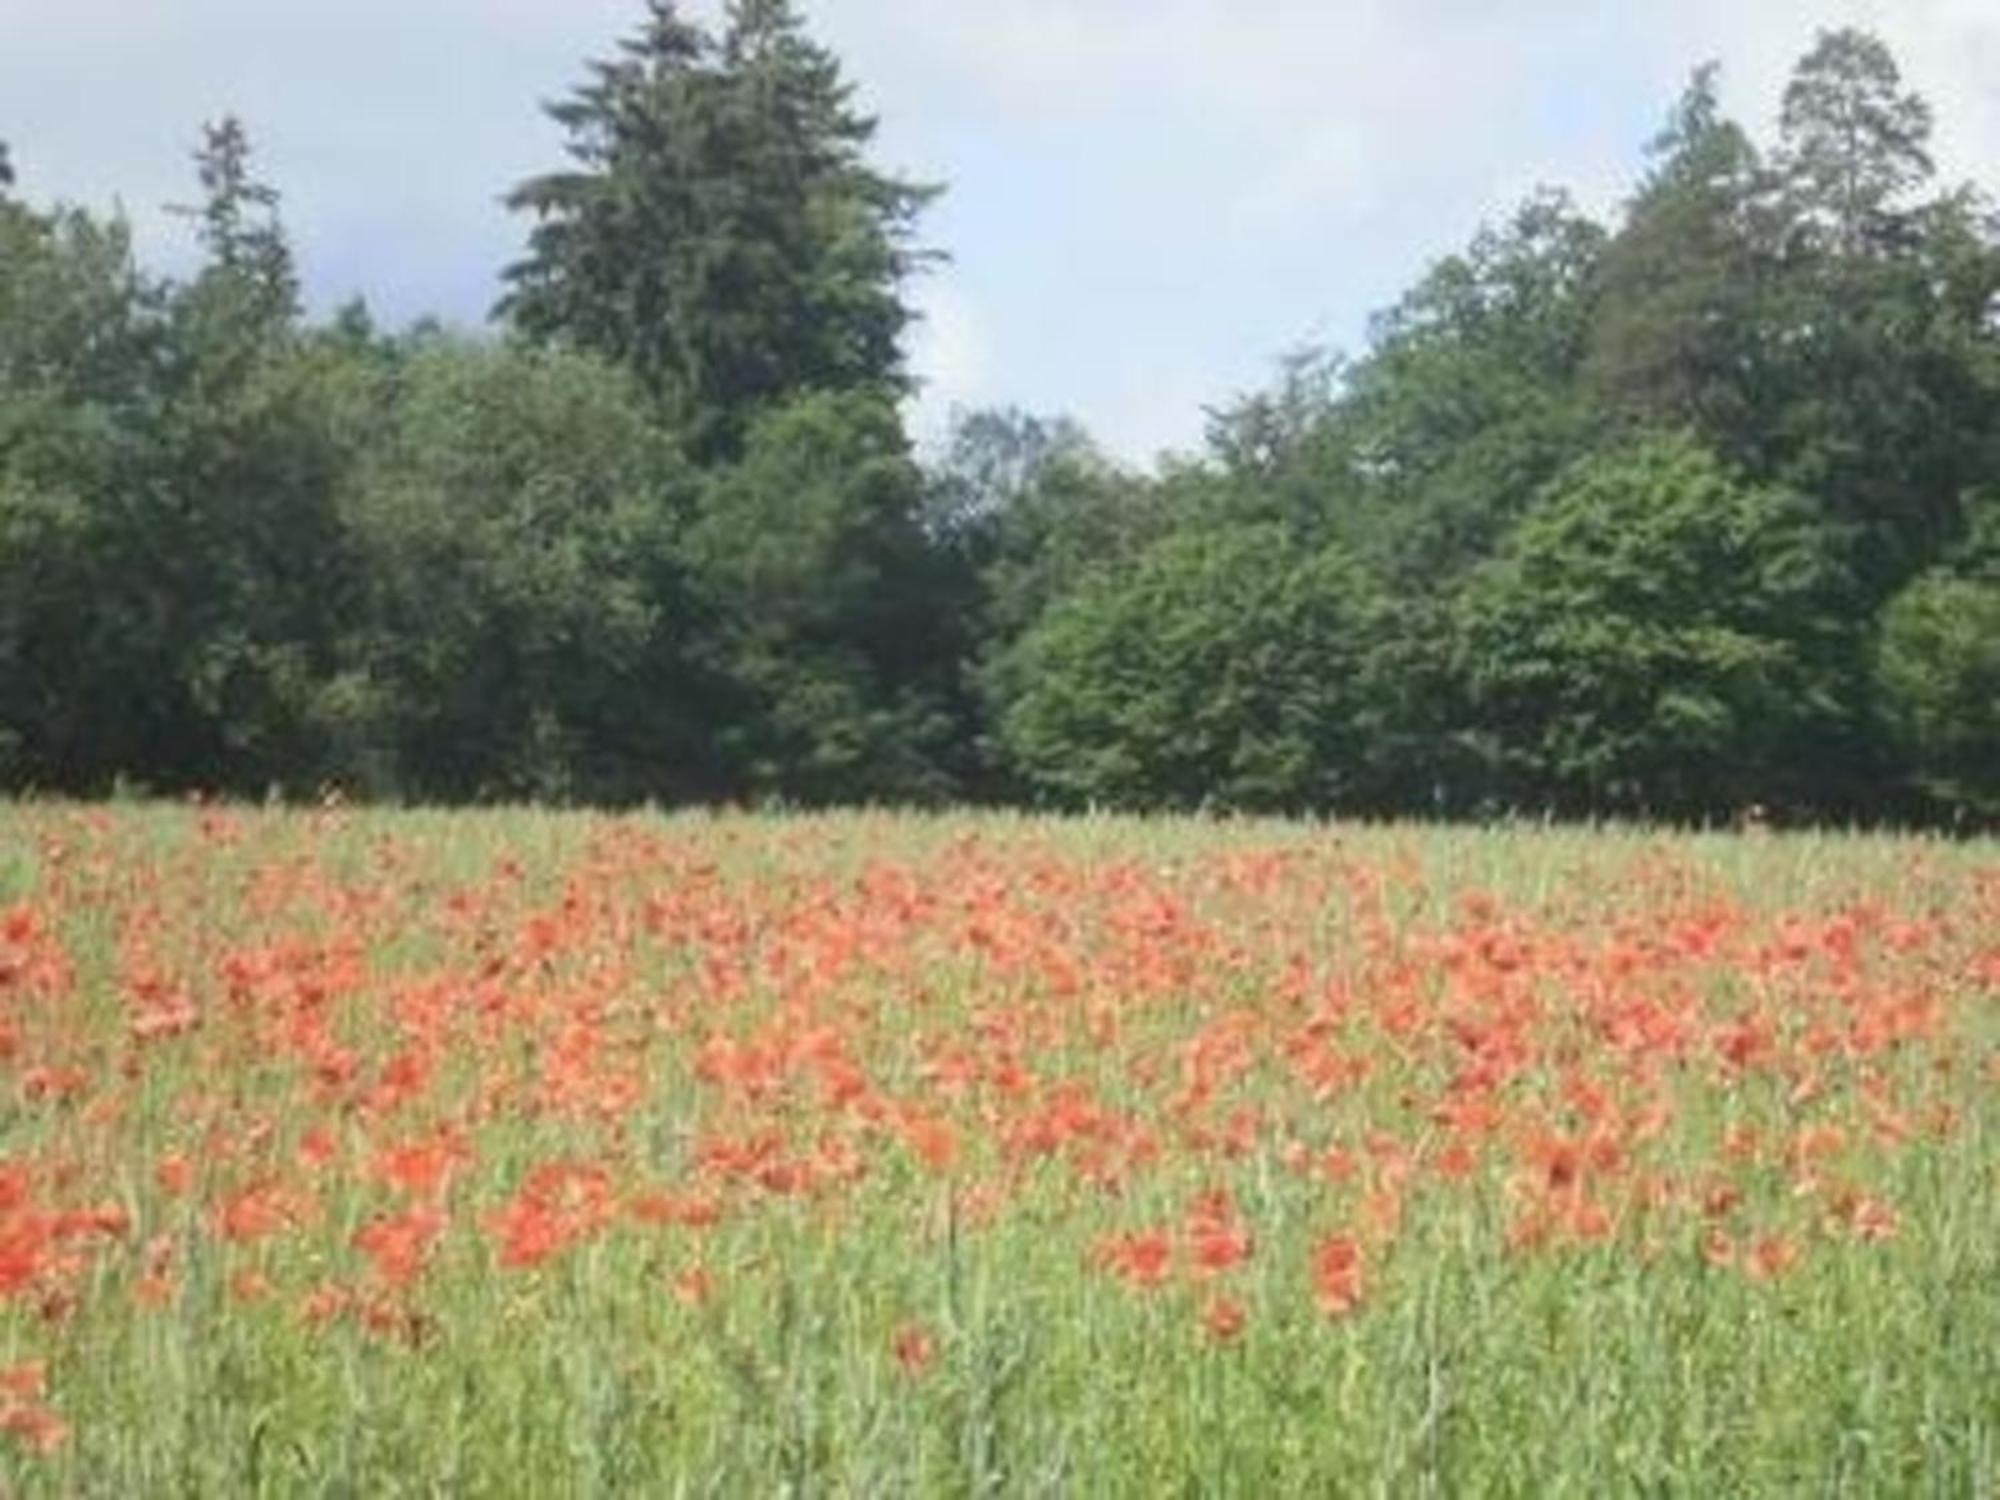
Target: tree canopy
720	231
1662	515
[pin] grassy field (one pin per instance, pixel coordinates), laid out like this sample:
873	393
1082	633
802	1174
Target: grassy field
522	1153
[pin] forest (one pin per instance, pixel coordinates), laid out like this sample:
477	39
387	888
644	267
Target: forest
1676	517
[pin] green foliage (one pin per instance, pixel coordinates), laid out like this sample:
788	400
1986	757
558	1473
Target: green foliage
248	254
87	684
994	461
1069	514
1885	405
1225	669
1468	402
1854	143
833	617
1939	666
254	575
1657	636
1675	339
720	233
523	627
672	541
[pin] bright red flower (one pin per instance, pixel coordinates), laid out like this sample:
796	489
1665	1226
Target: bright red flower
400	1245
1145	1258
34	1424
914	1348
1223	1320
1338	1275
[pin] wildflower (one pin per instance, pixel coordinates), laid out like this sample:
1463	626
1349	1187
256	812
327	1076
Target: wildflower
1218	1240
174	1174
317	1147
422	1168
1223	1319
1872	1219
24	1382
693	1285
1220	1247
932	1141
324	1304
1455	1162
528	1233
37	1426
559	1205
1771	1257
23	1243
255	1213
1338	1280
914	1348
400	1244
1144	1259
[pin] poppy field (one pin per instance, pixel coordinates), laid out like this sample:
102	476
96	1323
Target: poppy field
348	1152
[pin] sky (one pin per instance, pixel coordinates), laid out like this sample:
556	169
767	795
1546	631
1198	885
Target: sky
1148	201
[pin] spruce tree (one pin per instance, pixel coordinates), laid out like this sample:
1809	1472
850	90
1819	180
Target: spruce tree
1882	347
239	226
720	231
1673	340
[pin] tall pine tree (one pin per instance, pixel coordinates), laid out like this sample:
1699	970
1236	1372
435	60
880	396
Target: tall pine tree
1881	336
1674	338
720	231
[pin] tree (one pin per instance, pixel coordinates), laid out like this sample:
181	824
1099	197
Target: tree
1259	436
524	623
255	562
1468	403
615	243
834	620
1291	453
1852	143
992	462
1227	668
1034	506
1658	637
1019	511
89	685
1885	406
721	233
1674	339
1939	668
239	227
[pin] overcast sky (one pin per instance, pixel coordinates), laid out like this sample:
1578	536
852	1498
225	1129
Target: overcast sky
1149	200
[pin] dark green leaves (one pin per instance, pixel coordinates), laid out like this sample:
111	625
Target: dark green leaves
1228	669
721	234
1657	636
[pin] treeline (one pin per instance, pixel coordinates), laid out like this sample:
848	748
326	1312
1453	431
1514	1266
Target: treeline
1671	517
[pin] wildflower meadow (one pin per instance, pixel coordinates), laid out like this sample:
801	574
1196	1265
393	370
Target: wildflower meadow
367	1153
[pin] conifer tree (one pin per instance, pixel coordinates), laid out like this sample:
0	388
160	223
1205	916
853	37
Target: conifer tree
1673	341
719	231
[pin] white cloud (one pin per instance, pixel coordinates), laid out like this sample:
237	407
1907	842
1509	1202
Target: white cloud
951	354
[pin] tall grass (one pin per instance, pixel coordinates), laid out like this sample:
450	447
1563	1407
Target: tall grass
839	1155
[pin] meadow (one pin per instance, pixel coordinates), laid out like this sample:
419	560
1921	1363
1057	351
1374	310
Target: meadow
347	1152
